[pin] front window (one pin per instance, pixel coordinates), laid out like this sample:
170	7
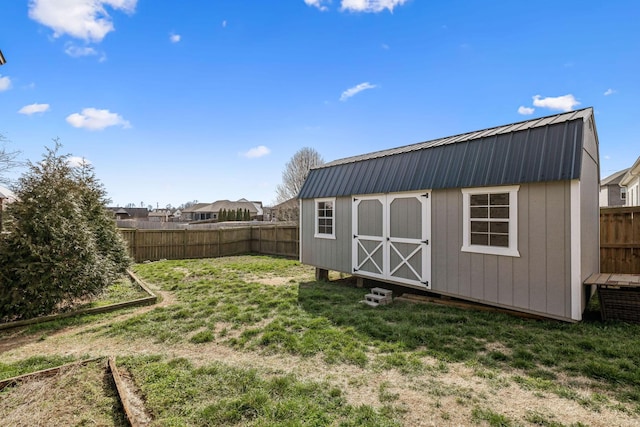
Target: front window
325	217
490	220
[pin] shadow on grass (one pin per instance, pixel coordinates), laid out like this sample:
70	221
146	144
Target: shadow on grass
607	352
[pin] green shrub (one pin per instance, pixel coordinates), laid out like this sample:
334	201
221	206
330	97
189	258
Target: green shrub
61	245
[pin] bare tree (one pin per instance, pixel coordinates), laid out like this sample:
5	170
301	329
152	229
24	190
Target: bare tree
296	171
8	160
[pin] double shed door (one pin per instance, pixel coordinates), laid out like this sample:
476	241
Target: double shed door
391	235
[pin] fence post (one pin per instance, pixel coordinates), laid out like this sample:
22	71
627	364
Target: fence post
135	245
184	244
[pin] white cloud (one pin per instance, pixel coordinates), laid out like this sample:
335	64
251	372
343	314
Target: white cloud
94	119
562	103
175	38
76	162
385	46
610	92
525	111
34	108
370	5
256	152
5	83
83	19
224	24
77	51
355	90
320	4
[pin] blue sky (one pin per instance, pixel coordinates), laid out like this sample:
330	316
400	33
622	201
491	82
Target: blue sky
174	101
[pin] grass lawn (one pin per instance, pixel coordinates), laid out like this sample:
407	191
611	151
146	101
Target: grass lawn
373	366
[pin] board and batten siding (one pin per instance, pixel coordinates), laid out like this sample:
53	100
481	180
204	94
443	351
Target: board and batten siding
329	254
537	281
589	215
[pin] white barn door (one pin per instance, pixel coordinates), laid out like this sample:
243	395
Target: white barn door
369	236
391	237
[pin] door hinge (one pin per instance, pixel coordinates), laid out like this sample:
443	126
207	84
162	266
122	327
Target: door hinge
354	199
426	283
426	242
426	195
355	237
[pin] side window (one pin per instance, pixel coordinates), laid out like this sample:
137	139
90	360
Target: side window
490	220
325	218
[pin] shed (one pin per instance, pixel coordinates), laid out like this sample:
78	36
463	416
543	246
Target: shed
506	216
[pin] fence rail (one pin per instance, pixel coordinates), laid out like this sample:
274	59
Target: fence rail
620	240
153	245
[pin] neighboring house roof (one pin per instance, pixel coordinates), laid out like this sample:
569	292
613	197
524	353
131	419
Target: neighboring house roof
161	213
6	194
228	206
614	179
543	149
195	207
287	204
132	212
632	173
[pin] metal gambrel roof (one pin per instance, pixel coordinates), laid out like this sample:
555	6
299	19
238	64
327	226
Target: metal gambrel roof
543	149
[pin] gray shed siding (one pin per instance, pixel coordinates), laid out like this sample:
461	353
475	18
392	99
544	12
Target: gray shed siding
330	254
537	281
589	208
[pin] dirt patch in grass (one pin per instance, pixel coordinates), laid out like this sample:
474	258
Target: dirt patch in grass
273	281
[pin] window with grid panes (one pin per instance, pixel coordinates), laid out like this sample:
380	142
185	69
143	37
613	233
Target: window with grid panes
325	215
490	220
489	217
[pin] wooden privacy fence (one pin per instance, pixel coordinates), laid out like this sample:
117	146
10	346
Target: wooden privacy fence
620	240
152	245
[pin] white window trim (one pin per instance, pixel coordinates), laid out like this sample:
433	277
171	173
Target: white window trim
317	234
512	249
